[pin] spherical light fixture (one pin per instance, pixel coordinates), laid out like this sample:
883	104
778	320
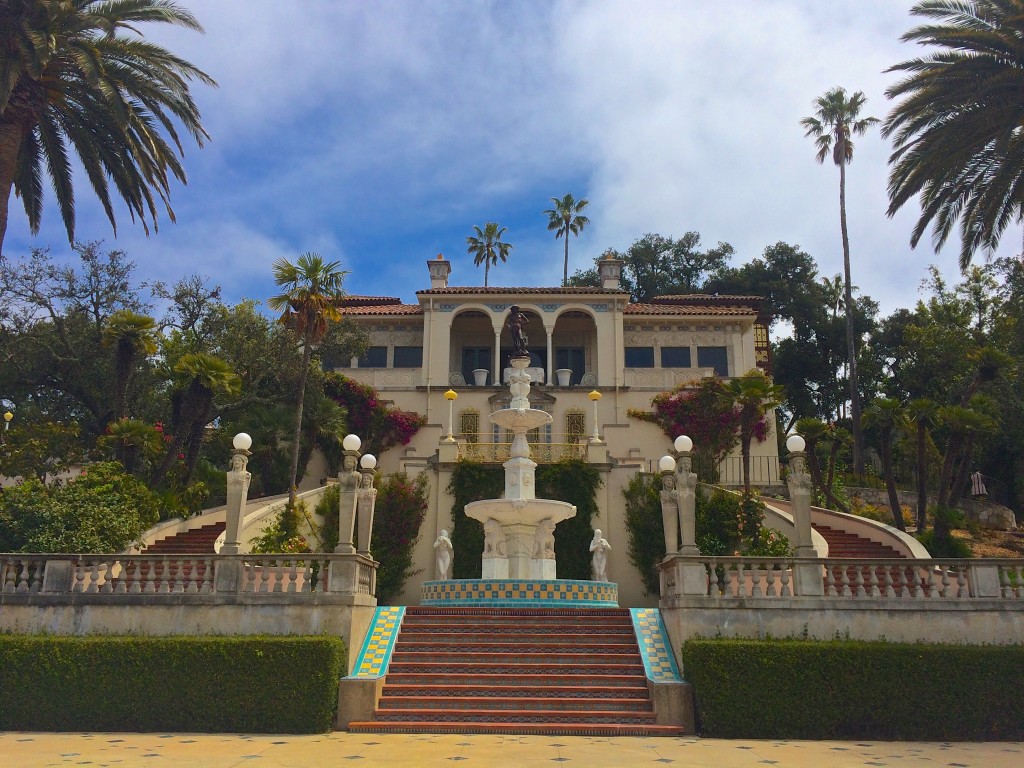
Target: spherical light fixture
351	443
368	461
795	444
451	394
241	442
683	444
594	395
667	464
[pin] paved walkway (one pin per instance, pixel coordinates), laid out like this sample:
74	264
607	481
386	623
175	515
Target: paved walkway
33	750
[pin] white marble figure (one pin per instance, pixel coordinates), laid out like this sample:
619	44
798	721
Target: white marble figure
600	546
443	545
494	540
544	541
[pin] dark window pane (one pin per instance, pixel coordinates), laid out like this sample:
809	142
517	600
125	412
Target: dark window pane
675	357
571	358
475	357
375	357
639	357
713	357
408	357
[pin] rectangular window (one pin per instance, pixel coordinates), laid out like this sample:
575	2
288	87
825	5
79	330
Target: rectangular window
713	357
639	357
374	357
408	357
475	357
675	357
571	358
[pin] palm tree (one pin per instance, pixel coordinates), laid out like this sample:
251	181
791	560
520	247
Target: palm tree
199	378
754	395
76	78
957	139
487	247
888	416
833	127
310	302
565	218
965	426
922	413
133	337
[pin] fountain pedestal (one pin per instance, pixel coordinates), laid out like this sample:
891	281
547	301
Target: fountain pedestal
519	528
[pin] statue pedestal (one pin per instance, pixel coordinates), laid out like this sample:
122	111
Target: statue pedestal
495	568
542	569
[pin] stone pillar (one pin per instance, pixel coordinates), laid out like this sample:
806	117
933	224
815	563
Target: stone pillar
686	488
238	491
807	577
670	512
549	331
496	381
348	483
366	501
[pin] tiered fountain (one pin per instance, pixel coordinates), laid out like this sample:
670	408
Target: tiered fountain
519	547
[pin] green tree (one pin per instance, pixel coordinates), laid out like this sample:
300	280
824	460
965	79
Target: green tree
77	79
922	414
888	416
837	119
956	129
565	218
486	246
310	302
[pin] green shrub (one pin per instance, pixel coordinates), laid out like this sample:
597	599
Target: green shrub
645	529
199	684
576	482
103	510
401	507
471	481
800	689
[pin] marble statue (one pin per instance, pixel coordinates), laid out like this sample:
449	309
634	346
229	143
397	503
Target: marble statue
600	546
494	540
516	323
544	541
443	546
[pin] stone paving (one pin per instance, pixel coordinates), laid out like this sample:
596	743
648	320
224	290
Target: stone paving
34	750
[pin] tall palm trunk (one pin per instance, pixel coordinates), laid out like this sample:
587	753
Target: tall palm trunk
565	263
307	354
922	477
10	140
851	349
890	483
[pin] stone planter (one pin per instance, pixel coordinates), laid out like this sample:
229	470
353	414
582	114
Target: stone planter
563	376
480	376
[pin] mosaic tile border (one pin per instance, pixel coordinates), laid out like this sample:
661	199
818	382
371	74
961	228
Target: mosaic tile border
375	654
521	593
655	649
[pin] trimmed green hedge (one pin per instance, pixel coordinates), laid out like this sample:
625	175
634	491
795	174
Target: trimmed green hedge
205	684
804	689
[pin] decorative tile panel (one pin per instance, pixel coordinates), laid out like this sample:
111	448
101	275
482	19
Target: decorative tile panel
655	648
521	593
380	641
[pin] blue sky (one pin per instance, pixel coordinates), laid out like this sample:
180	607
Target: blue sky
379	133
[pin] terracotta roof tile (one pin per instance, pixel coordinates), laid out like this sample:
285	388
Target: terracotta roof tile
386	309
706	299
369	301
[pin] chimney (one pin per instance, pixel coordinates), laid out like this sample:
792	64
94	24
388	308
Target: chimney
610	270
439	268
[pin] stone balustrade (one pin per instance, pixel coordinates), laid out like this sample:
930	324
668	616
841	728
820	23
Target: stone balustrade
103	575
737	578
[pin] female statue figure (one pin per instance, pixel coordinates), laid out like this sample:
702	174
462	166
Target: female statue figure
600	547
516	323
443	546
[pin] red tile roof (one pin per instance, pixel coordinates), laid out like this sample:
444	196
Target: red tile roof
369	301
385	309
683	309
493	291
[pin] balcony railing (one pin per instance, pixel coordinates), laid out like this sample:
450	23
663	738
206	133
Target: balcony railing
545	449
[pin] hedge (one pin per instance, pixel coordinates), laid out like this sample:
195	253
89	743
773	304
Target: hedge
200	684
805	689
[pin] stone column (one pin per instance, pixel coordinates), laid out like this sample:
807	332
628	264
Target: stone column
348	483
496	380
807	577
549	332
686	488
670	512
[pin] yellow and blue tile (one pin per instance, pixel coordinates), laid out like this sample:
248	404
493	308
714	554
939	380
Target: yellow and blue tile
380	641
655	648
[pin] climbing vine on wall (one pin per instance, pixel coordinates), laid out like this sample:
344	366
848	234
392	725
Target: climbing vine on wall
471	481
379	425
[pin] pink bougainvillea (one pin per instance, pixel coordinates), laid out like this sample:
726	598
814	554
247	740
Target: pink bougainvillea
380	426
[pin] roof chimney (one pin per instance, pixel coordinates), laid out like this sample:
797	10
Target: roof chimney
439	268
610	270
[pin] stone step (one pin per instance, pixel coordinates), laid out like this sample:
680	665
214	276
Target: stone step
442	666
484	644
515	716
527	680
517	691
496	704
513	637
538	729
569	655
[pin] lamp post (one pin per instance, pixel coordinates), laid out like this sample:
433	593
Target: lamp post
800	495
366	500
686	489
238	490
451	396
7	420
595	398
348	484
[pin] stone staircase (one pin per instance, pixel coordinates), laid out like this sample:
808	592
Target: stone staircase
516	671
843	544
198	541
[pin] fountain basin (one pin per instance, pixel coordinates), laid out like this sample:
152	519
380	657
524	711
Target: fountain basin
520	511
521	419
